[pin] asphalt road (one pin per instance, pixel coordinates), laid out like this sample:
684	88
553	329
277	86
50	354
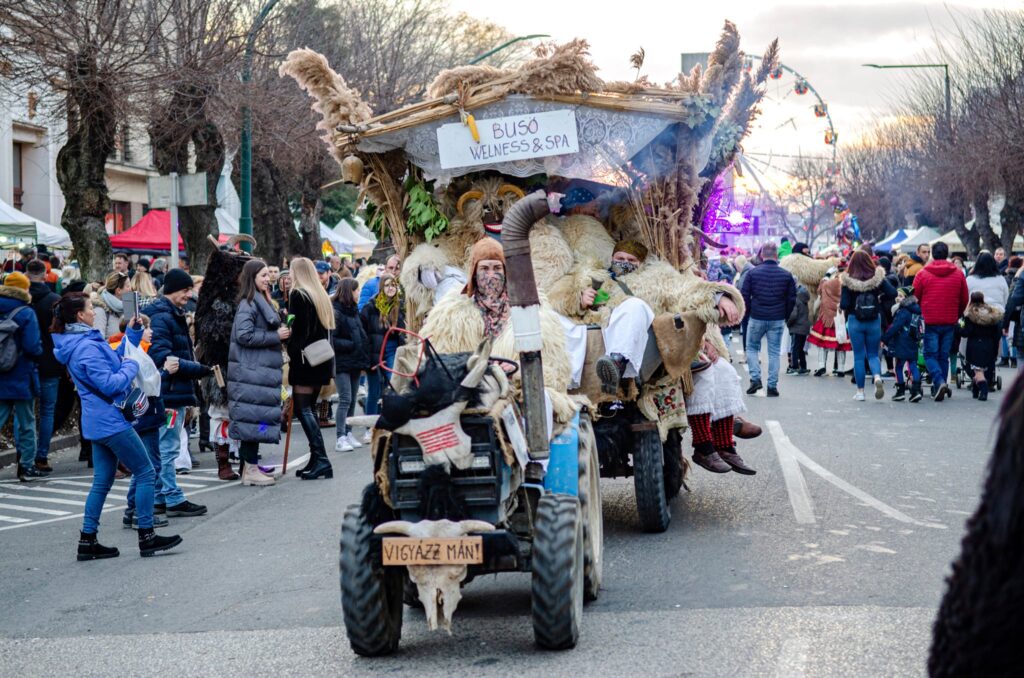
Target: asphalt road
830	561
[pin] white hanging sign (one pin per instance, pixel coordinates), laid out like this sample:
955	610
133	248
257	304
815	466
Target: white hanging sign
514	137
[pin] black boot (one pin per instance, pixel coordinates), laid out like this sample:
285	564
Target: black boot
150	542
983	390
901	392
321	467
610	369
915	392
90	549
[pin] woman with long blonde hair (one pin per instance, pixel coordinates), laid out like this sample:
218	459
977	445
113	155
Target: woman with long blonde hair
313	320
142	283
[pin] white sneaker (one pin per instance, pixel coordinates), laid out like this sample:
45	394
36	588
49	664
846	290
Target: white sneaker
879	388
859	396
342	445
367	437
352	440
362	388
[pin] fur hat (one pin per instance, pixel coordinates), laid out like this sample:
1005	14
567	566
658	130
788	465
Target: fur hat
801	248
17	279
176	280
637	249
485	248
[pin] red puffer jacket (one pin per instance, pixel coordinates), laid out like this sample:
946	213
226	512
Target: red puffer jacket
941	290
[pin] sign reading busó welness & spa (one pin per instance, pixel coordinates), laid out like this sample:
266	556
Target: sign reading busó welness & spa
514	137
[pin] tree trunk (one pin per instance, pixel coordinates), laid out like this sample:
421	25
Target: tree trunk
312	209
273	227
1011	217
982	220
81	166
956	219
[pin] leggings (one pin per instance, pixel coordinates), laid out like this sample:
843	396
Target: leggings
798	356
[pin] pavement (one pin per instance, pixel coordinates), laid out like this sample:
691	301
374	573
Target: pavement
829	562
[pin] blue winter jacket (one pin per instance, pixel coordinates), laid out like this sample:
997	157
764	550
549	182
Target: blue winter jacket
22	382
369	291
154	417
769	291
170	337
101	377
897	338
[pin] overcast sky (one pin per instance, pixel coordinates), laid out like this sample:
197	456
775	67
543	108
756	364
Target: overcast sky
826	44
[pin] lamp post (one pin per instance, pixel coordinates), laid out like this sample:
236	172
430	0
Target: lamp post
502	46
245	220
944	67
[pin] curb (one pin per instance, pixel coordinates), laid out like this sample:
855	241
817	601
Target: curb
9	455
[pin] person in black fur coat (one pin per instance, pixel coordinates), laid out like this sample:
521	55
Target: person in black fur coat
215	314
977	632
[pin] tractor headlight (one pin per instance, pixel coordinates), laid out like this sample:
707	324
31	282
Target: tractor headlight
409	466
481	462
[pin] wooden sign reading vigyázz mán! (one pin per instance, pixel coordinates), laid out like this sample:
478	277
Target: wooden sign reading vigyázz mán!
433	551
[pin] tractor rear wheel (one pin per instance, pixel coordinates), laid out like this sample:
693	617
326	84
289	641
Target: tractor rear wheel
557	566
649	482
371	594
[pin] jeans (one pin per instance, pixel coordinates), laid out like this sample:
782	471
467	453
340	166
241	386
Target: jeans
798	356
866	337
915	374
938	342
374	380
151	441
348	387
128	448
24	427
756	331
47	404
170	446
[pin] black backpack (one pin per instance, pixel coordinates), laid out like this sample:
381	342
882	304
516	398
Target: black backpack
866	306
915	328
9	349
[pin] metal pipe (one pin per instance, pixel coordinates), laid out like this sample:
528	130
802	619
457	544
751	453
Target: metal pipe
525	312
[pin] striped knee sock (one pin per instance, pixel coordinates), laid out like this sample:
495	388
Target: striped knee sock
700	428
721	432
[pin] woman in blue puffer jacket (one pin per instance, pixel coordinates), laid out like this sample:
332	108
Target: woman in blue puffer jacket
104	379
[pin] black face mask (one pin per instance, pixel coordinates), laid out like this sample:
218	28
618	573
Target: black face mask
619	268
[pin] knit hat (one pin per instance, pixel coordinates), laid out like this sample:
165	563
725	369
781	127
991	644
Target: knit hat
176	280
637	249
17	279
143	262
485	248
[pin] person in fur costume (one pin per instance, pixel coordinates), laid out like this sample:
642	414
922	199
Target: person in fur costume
808	272
823	332
459	322
215	314
982	327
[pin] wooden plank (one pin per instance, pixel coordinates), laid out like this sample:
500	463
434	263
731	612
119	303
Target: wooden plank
433	551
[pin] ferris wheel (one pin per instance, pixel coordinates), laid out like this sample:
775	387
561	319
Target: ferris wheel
794	127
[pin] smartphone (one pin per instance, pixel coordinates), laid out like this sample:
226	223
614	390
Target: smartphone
130	300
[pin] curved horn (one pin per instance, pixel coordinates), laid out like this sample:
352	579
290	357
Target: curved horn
240	237
505	189
466	197
394	527
477	365
216	245
468	526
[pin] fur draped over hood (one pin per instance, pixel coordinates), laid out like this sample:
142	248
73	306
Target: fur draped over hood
15	293
983	314
862	285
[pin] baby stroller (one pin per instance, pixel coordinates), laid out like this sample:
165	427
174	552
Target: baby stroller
962	376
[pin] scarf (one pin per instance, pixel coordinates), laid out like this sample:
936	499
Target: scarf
619	268
491	297
77	328
113	303
386	305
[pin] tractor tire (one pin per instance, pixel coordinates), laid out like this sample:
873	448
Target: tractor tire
371	594
649	482
592	511
557	566
675	465
410	594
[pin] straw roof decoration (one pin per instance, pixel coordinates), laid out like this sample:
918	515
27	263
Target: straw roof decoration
714	104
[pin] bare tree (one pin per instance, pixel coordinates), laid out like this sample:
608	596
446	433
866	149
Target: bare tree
802	207
92	55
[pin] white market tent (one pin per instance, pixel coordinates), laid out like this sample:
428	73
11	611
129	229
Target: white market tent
361	245
957	247
924	235
18	227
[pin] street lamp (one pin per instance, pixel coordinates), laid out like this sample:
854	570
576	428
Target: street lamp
245	220
944	67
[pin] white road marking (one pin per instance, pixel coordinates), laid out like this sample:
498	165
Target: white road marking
51	500
799	497
776	432
9	519
792	661
33	509
53	490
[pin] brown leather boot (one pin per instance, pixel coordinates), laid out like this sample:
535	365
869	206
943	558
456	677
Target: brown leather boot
741	428
704	455
224	470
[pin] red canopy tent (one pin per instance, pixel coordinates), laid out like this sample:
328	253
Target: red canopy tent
151	233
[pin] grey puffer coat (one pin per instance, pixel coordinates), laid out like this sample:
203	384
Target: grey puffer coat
254	373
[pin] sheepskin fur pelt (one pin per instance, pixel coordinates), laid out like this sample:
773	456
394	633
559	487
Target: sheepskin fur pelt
455	325
978	630
983	314
215	314
425	256
587	238
551	255
856	285
808	272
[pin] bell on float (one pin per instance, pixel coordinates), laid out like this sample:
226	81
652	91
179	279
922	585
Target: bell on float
352	169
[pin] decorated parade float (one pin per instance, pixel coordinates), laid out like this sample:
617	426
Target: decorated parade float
492	439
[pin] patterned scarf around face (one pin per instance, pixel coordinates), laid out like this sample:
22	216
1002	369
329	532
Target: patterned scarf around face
388	307
491	297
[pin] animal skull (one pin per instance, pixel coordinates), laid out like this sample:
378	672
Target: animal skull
438	585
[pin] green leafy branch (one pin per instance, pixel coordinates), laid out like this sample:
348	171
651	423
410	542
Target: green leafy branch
423	216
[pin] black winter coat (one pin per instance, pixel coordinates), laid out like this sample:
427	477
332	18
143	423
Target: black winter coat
376	330
982	326
170	337
254	373
769	291
43	299
306	329
351	345
898	338
799	321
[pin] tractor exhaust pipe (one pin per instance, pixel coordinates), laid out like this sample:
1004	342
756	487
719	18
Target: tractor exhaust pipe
525	313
